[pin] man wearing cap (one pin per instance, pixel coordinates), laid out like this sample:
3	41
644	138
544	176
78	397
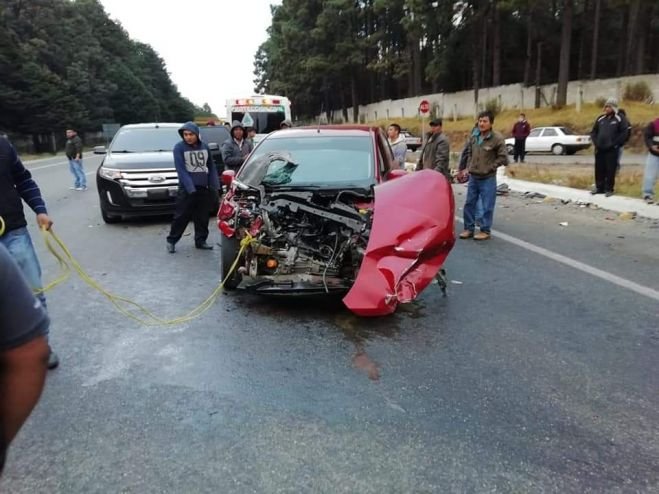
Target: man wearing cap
236	149
197	178
435	154
609	135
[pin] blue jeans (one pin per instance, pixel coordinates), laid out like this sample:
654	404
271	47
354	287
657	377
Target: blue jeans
650	175
19	244
484	190
78	173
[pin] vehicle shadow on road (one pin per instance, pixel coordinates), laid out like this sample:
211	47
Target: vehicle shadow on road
357	330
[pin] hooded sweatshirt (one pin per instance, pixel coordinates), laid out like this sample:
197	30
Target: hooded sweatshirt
399	148
194	164
234	152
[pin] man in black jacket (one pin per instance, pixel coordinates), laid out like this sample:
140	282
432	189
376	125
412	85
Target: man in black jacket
609	135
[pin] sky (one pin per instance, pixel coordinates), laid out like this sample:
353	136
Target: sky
208	45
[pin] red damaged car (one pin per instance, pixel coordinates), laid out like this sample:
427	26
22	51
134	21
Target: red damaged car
328	214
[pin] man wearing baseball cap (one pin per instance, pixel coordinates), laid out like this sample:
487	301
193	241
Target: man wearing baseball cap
435	154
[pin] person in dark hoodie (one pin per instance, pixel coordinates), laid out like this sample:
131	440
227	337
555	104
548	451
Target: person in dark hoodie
236	149
608	135
197	179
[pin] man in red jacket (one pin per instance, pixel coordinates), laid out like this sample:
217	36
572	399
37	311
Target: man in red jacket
521	131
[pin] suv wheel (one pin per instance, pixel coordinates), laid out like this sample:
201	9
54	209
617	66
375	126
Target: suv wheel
229	248
109	219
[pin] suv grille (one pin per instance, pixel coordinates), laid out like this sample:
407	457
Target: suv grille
150	184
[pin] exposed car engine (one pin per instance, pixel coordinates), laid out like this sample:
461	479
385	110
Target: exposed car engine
303	235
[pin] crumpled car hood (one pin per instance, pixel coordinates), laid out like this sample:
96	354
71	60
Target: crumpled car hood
411	235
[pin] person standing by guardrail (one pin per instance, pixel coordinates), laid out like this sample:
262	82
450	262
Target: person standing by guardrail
197	179
521	131
651	135
608	135
23	350
73	150
17	185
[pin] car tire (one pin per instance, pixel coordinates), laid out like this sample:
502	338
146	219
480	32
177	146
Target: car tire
558	150
108	218
229	248
510	148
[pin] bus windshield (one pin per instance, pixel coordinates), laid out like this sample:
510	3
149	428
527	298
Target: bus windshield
263	122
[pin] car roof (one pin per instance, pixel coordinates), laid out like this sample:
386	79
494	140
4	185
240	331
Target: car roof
153	125
325	130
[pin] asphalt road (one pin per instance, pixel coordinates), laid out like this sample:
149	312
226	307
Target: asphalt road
533	375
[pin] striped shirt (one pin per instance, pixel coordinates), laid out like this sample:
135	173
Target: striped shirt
25	185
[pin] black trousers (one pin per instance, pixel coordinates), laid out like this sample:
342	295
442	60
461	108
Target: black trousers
520	149
606	163
193	207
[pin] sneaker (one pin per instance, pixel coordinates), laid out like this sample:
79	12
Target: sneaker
466	234
171	248
608	194
595	191
482	236
53	359
203	246
73	187
648	200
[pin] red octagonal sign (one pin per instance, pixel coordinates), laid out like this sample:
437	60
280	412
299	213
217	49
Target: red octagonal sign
424	107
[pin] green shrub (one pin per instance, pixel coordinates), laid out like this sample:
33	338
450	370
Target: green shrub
600	102
494	106
638	91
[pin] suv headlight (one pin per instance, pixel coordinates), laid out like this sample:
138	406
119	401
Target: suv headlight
110	173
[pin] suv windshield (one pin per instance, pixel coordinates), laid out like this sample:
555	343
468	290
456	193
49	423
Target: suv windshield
145	140
214	134
323	161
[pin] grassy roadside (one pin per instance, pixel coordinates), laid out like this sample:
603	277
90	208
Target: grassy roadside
628	182
638	113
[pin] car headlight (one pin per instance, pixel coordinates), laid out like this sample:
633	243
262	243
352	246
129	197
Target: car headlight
110	173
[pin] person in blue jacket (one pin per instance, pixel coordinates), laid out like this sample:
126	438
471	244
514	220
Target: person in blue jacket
197	178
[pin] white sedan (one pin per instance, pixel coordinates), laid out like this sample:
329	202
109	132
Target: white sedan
555	140
413	142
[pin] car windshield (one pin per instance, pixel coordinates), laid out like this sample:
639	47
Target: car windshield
145	140
319	161
567	131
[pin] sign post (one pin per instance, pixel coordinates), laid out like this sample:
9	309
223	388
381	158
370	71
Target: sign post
424	109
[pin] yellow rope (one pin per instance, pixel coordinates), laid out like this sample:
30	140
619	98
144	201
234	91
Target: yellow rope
66	260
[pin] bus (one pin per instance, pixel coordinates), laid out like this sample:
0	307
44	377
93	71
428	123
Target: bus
263	112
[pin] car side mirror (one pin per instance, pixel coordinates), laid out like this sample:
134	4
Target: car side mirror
227	177
100	150
213	146
397	173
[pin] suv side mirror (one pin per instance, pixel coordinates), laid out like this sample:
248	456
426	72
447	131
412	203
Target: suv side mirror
213	146
397	173
227	177
100	150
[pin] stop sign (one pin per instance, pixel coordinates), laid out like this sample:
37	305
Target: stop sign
424	107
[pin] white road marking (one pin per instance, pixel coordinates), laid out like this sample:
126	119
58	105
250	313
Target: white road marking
47	166
583	267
